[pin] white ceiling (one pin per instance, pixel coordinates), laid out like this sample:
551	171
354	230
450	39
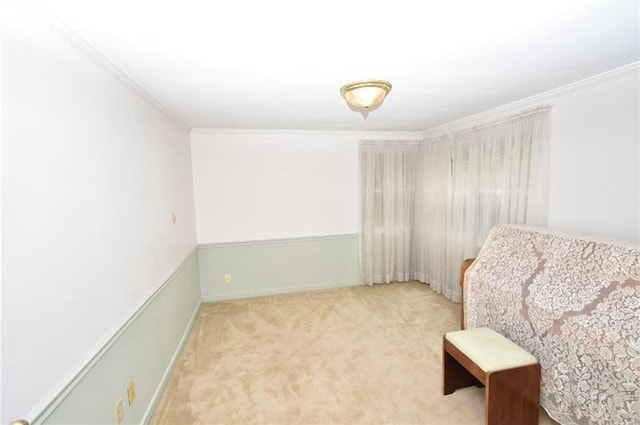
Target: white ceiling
280	64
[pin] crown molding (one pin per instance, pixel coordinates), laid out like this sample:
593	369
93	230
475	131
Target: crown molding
294	132
528	102
66	32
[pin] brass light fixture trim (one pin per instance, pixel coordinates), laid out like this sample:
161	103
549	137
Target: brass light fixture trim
365	96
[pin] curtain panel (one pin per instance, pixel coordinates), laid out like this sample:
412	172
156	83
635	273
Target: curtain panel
387	178
427	206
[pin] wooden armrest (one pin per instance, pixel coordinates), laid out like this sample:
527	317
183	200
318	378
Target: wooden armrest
463	268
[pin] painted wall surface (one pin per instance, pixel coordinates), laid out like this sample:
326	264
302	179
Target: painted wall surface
1	173
262	185
594	187
277	210
594	158
92	172
143	352
278	266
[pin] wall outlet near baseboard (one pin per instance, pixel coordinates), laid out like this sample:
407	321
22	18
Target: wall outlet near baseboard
227	278
131	392
119	412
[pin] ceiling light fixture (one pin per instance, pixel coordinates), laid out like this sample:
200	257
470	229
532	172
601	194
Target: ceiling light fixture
365	96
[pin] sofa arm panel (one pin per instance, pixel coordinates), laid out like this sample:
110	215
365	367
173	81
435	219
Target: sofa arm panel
463	268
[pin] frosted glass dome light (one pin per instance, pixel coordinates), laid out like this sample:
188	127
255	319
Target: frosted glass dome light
365	96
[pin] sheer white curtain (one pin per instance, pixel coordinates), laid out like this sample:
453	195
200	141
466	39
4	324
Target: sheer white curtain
499	174
433	180
387	177
425	208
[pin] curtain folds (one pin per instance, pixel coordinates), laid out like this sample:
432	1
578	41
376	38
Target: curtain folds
425	207
387	189
431	223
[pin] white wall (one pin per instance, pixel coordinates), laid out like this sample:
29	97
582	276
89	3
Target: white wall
257	185
594	153
594	158
252	185
1	173
91	175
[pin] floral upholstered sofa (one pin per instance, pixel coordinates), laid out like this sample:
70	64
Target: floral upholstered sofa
574	303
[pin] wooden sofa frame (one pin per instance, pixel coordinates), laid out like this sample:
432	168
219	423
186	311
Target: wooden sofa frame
463	268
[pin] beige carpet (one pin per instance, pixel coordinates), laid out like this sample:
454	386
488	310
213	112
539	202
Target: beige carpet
360	355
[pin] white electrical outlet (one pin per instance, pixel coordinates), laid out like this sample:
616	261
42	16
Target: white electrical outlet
131	392
119	412
227	278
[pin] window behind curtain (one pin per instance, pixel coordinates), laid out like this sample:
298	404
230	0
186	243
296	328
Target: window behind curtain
427	207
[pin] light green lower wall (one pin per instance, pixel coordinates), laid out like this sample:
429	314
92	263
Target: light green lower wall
146	347
278	266
144	350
